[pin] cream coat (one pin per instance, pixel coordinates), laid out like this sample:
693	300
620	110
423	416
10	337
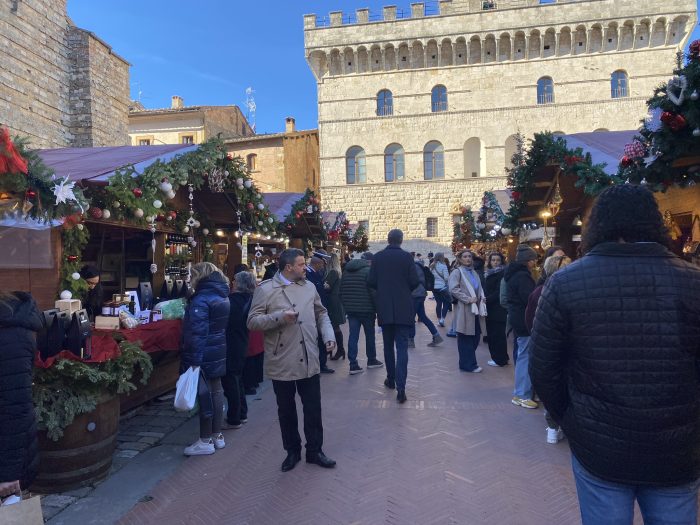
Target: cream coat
465	313
291	350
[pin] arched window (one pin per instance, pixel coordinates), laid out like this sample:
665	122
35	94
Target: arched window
433	161
619	84
439	99
385	103
393	163
355	163
545	91
252	162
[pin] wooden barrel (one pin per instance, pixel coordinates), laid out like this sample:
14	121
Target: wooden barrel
84	454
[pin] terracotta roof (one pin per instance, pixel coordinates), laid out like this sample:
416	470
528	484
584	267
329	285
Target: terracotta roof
263	136
175	110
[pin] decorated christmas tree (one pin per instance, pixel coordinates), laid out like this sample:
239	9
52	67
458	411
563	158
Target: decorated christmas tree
464	230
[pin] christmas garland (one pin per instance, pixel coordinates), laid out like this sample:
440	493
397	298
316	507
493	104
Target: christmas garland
25	177
308	206
340	229
75	237
670	132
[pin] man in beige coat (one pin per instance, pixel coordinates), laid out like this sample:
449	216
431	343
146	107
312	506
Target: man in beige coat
288	310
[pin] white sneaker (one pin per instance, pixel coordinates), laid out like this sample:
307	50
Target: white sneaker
477	370
491	362
554	436
200	448
219	442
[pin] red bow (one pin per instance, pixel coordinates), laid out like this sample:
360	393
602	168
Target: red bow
10	159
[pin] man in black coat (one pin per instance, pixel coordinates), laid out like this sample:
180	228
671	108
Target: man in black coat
616	361
393	274
316	274
19	450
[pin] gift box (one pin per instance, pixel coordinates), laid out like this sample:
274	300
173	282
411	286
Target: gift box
68	305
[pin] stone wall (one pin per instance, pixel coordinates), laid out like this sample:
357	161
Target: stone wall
408	206
43	57
301	161
34	68
227	120
268	173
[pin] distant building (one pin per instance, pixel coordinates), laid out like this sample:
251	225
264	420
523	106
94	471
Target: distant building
419	109
281	162
180	124
61	85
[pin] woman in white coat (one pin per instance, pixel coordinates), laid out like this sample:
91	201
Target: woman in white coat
470	310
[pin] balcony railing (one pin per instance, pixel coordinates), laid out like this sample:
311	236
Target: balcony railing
621	92
547	98
439	106
385	111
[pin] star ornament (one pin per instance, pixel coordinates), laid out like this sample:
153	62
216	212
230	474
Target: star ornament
63	191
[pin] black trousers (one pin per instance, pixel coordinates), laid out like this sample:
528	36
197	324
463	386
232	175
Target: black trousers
322	353
235	395
309	390
253	371
498	343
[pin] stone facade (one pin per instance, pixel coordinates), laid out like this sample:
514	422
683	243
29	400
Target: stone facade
186	124
497	66
281	162
61	86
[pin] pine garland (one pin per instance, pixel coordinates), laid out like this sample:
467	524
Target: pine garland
300	209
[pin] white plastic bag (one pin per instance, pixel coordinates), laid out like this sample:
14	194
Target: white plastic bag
186	391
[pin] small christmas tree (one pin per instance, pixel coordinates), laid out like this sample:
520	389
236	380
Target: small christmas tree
464	230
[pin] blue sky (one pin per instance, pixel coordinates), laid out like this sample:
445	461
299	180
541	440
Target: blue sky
210	51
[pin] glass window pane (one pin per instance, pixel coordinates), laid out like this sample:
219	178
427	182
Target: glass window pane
388	167
439	164
428	165
399	165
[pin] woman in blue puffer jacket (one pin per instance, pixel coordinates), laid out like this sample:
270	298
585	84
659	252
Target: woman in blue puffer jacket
204	345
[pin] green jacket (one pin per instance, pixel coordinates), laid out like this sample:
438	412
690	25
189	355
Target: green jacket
357	297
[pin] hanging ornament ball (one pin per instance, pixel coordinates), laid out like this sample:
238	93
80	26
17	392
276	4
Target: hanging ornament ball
157	204
250	206
696	132
186	229
106	214
80	227
138	192
212	251
169	218
166	187
248	183
193	244
261	207
260	223
150	218
138	213
694	95
197	224
96	213
239	181
66	294
270	220
116	204
626	161
205	231
154	268
75	276
170	194
72	258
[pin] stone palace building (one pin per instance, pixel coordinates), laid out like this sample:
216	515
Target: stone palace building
419	110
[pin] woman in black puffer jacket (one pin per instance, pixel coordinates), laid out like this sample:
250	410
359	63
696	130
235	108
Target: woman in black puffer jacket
19	321
204	345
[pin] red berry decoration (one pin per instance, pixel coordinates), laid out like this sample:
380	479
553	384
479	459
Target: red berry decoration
72	258
31	194
626	161
251	206
138	192
96	213
173	215
516	195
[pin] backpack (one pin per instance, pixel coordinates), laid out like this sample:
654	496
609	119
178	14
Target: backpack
429	279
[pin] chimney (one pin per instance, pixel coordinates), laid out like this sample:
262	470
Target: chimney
291	125
177	102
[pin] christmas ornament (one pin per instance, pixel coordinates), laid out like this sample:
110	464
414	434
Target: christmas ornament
515	195
239	181
149	218
694	95
696	132
165	186
10	159
80	227
626	161
66	295
653	120
261	207
106	214
197	224
96	213
138	213
75	276
635	150
157	204
248	183
186	229
154	268
116	204
676	88
679	123
72	258
170	195
172	214
63	191
138	192
205	232
270	220
250	206
260	223
30	194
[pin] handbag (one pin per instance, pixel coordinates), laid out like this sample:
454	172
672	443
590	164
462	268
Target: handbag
186	390
25	512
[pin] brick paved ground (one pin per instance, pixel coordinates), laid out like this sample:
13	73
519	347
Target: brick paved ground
457	452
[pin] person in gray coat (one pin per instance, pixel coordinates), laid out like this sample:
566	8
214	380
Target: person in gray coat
419	295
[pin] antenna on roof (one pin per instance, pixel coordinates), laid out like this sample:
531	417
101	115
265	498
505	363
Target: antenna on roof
251	107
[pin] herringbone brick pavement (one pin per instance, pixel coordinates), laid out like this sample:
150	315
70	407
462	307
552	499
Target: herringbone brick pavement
458	452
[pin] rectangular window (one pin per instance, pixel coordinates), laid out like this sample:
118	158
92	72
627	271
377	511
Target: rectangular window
144	142
187	139
432	227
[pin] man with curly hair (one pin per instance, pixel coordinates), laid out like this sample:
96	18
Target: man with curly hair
615	357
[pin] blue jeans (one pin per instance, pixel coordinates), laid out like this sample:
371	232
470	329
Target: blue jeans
442	303
355	323
419	307
608	503
396	367
466	346
523	385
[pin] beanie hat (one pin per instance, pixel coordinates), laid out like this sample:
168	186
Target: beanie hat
525	254
88	272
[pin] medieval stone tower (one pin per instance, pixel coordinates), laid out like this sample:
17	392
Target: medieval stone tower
418	109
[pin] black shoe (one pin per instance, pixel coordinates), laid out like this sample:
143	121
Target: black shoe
320	459
292	459
389	384
401	396
326	370
355	369
374	363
